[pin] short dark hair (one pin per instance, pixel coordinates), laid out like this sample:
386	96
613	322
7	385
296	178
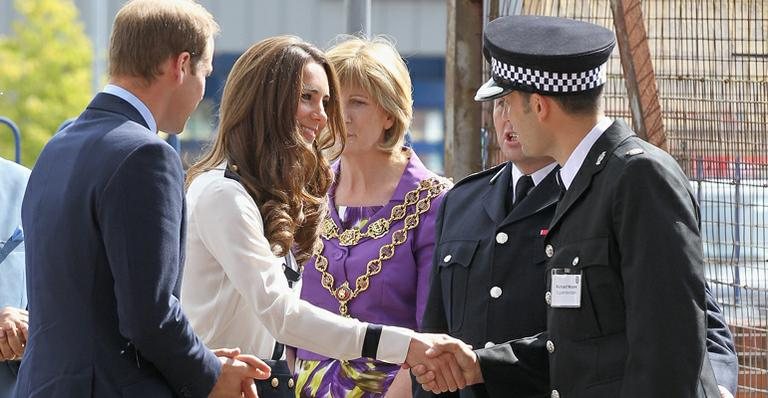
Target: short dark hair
580	103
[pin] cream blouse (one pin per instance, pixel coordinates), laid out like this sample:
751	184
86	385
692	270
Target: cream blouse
236	295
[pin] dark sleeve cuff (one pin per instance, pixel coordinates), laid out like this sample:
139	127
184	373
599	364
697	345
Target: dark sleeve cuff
202	384
371	341
519	368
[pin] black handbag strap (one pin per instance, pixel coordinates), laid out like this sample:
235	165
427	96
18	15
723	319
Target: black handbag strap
277	352
290	274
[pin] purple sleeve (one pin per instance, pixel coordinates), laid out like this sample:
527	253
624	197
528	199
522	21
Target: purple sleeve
423	249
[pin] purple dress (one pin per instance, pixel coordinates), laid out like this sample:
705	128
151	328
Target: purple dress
396	296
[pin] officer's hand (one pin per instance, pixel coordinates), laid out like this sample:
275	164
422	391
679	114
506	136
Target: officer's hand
461	353
446	373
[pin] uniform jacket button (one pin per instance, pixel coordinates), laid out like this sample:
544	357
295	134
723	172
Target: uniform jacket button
549	251
555	394
447	258
275	382
290	382
575	261
550	346
496	292
548	298
502	238
489	344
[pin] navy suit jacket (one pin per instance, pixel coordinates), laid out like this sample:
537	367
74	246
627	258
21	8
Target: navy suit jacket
104	222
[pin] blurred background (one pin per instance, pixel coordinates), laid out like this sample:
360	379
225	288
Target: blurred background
78	30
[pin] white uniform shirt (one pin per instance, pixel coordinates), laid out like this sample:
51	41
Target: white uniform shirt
537	176
574	162
234	290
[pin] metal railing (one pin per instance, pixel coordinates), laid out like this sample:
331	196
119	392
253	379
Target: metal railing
16	137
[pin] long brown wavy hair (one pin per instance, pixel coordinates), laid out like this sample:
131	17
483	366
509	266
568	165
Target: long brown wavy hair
259	133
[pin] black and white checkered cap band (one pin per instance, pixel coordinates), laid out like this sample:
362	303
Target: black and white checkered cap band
549	82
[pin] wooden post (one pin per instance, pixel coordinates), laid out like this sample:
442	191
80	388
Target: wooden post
638	71
491	151
463	76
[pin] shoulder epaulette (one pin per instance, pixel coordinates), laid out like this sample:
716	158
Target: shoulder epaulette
495	171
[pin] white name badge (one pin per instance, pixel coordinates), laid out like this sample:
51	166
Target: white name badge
566	288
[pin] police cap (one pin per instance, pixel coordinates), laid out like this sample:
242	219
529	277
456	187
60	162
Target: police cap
546	55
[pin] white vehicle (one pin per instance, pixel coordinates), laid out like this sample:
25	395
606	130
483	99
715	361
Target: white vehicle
734	228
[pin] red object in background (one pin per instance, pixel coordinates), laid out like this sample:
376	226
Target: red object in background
726	166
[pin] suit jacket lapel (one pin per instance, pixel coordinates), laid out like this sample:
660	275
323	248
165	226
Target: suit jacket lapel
602	150
112	103
496	194
544	195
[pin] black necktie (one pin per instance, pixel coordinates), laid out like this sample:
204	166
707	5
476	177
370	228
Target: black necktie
561	185
523	186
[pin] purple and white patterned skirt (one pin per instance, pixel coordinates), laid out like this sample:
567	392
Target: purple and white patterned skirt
332	378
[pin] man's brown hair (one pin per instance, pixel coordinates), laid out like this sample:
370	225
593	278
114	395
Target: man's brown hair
147	32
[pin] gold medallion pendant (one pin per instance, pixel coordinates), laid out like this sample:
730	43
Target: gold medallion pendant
343	293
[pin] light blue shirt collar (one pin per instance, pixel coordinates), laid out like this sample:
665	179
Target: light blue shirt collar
574	162
135	101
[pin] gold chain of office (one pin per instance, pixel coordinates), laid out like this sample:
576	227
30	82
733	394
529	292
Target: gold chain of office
344	293
377	229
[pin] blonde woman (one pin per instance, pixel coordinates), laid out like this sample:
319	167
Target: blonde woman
377	240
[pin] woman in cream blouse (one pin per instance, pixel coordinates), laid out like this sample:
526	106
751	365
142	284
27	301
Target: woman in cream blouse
258	193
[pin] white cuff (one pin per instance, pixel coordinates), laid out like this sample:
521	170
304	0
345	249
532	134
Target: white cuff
393	344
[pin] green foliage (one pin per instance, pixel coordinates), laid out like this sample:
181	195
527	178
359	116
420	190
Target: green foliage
45	73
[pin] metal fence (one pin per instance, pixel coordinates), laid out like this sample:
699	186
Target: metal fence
709	58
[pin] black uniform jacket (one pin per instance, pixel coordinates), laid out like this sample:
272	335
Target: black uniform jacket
629	225
461	302
489	270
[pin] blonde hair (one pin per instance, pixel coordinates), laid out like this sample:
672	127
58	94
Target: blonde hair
375	66
259	133
147	32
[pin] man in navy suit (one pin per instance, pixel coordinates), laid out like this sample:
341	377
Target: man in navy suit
103	216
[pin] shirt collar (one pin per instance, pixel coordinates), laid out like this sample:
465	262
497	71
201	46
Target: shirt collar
135	102
574	162
537	175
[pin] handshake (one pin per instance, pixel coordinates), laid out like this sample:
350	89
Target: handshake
442	363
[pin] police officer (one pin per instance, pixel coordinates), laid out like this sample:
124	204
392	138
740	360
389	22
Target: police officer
506	268
488	267
625	293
